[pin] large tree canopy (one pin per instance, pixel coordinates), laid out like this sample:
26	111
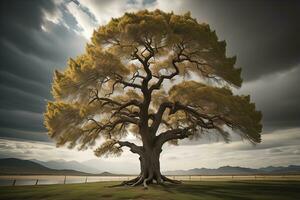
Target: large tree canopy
160	76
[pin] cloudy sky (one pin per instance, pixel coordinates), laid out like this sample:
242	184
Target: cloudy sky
38	36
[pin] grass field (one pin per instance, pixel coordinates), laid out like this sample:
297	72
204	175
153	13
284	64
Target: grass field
206	190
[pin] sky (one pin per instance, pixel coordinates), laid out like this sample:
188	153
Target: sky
38	36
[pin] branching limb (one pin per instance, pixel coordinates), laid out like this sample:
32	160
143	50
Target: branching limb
133	147
117	106
195	119
120	80
110	126
133	102
161	79
94	95
157	117
179	133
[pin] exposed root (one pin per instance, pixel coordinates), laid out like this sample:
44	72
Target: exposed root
140	181
132	181
129	182
170	180
160	180
149	179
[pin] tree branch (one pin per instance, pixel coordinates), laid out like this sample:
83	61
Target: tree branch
133	147
179	133
159	114
161	79
133	102
119	79
195	118
110	126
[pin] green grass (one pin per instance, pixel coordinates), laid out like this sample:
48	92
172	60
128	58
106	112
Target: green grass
206	190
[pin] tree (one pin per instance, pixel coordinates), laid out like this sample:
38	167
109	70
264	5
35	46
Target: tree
160	76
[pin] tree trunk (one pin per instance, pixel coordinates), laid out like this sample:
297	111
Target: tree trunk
150	169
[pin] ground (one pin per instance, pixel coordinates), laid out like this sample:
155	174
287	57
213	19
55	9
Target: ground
206	190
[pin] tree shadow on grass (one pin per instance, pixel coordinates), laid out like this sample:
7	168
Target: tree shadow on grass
236	190
207	191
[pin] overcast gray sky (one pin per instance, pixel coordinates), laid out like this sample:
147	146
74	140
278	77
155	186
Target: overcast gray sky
38	36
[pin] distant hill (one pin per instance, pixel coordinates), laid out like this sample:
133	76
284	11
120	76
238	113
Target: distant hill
113	166
14	166
62	164
228	170
292	169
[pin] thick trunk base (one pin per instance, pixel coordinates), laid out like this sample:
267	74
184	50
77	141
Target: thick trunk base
145	181
150	172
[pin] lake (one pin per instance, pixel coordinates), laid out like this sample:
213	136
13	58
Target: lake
46	179
50	179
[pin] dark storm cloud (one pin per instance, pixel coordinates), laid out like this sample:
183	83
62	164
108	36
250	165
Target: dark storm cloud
13	98
31	48
21	22
11	80
263	34
16	134
277	96
276	140
265	37
24	13
27	121
20	64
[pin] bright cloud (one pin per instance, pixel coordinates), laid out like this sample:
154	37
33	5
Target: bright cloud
92	13
277	148
84	20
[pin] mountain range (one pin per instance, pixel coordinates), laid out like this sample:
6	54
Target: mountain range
94	166
229	170
9	166
14	166
62	164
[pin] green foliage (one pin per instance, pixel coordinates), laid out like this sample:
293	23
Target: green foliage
98	95
169	29
108	148
221	102
85	72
